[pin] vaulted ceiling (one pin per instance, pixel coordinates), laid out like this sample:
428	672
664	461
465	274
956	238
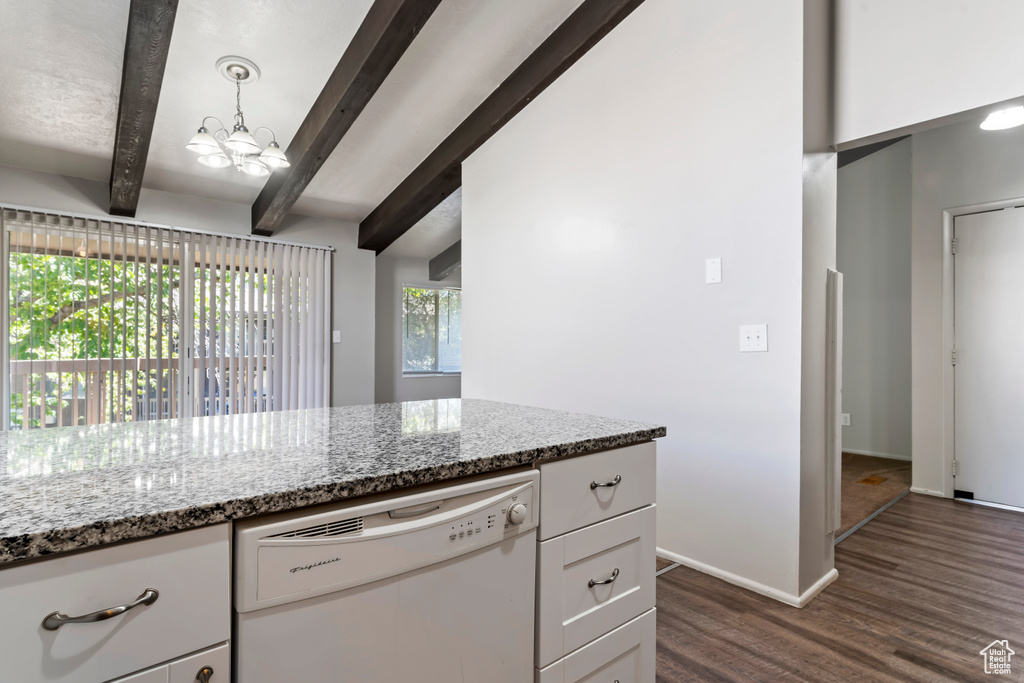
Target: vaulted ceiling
62	73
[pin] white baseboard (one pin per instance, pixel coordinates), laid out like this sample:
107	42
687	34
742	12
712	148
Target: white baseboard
927	492
873	454
818	586
729	577
1000	506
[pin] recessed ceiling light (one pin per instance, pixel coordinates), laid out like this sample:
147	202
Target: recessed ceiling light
1004	118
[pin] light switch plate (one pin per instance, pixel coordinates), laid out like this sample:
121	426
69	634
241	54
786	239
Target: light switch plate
713	271
753	338
846	420
336	336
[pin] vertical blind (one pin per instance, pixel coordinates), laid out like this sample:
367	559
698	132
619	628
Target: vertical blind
111	322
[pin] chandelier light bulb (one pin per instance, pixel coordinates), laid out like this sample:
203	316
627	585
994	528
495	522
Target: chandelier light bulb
255	167
242	141
203	143
273	156
216	160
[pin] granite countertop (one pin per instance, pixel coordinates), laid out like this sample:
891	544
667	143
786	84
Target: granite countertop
78	487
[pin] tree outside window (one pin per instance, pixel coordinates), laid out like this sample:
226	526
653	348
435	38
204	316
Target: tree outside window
431	331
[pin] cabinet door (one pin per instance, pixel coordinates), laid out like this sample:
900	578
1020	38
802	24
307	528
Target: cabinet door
190	571
625	655
592	581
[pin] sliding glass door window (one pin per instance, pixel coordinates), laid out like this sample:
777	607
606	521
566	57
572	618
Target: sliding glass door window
115	322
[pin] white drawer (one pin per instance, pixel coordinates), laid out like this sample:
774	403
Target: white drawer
570	611
186	669
625	655
190	571
218	658
571	496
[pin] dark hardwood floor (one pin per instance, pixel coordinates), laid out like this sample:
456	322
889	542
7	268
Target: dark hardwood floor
921	590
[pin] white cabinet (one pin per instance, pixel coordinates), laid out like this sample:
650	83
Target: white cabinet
576	492
189	573
596	568
592	580
625	655
215	662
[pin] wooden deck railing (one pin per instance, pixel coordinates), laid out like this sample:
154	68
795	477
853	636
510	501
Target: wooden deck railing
61	393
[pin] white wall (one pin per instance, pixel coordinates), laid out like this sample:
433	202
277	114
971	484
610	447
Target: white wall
902	62
953	166
873	253
392	275
353	268
607	194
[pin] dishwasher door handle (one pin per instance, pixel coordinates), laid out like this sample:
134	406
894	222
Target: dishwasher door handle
414	511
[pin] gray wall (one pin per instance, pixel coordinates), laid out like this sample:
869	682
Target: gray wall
952	166
353	268
392	275
873	253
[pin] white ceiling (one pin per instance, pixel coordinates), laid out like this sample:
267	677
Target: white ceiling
61	75
296	45
60	79
463	53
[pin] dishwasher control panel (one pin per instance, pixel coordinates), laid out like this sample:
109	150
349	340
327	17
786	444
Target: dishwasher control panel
514	513
303	556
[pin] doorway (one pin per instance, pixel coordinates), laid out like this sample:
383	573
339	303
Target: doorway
873	251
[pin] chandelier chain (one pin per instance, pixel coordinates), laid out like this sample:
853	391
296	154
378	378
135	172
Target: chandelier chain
238	101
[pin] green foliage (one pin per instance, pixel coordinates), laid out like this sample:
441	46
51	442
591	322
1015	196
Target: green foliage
419	322
431	330
72	308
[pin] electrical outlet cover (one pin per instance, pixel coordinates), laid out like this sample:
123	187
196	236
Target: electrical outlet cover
753	338
713	271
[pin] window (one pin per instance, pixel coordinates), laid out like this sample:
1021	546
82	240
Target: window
431	331
117	322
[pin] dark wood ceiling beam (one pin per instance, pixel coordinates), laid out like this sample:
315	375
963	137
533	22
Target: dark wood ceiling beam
380	41
445	263
440	174
150	23
849	156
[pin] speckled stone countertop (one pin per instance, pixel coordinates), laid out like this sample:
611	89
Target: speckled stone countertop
77	487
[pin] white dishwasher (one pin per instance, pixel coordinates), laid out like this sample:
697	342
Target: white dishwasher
432	587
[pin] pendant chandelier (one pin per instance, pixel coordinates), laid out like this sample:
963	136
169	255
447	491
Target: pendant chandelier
238	148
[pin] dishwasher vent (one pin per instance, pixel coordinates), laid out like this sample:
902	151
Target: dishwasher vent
341	527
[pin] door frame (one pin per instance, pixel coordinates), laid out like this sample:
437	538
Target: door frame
948	377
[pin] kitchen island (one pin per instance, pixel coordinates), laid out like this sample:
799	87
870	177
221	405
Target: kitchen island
74	489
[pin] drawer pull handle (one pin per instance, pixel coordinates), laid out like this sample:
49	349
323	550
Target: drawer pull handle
607	484
615	575
55	620
205	675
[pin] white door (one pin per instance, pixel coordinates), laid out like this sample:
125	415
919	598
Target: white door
989	342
